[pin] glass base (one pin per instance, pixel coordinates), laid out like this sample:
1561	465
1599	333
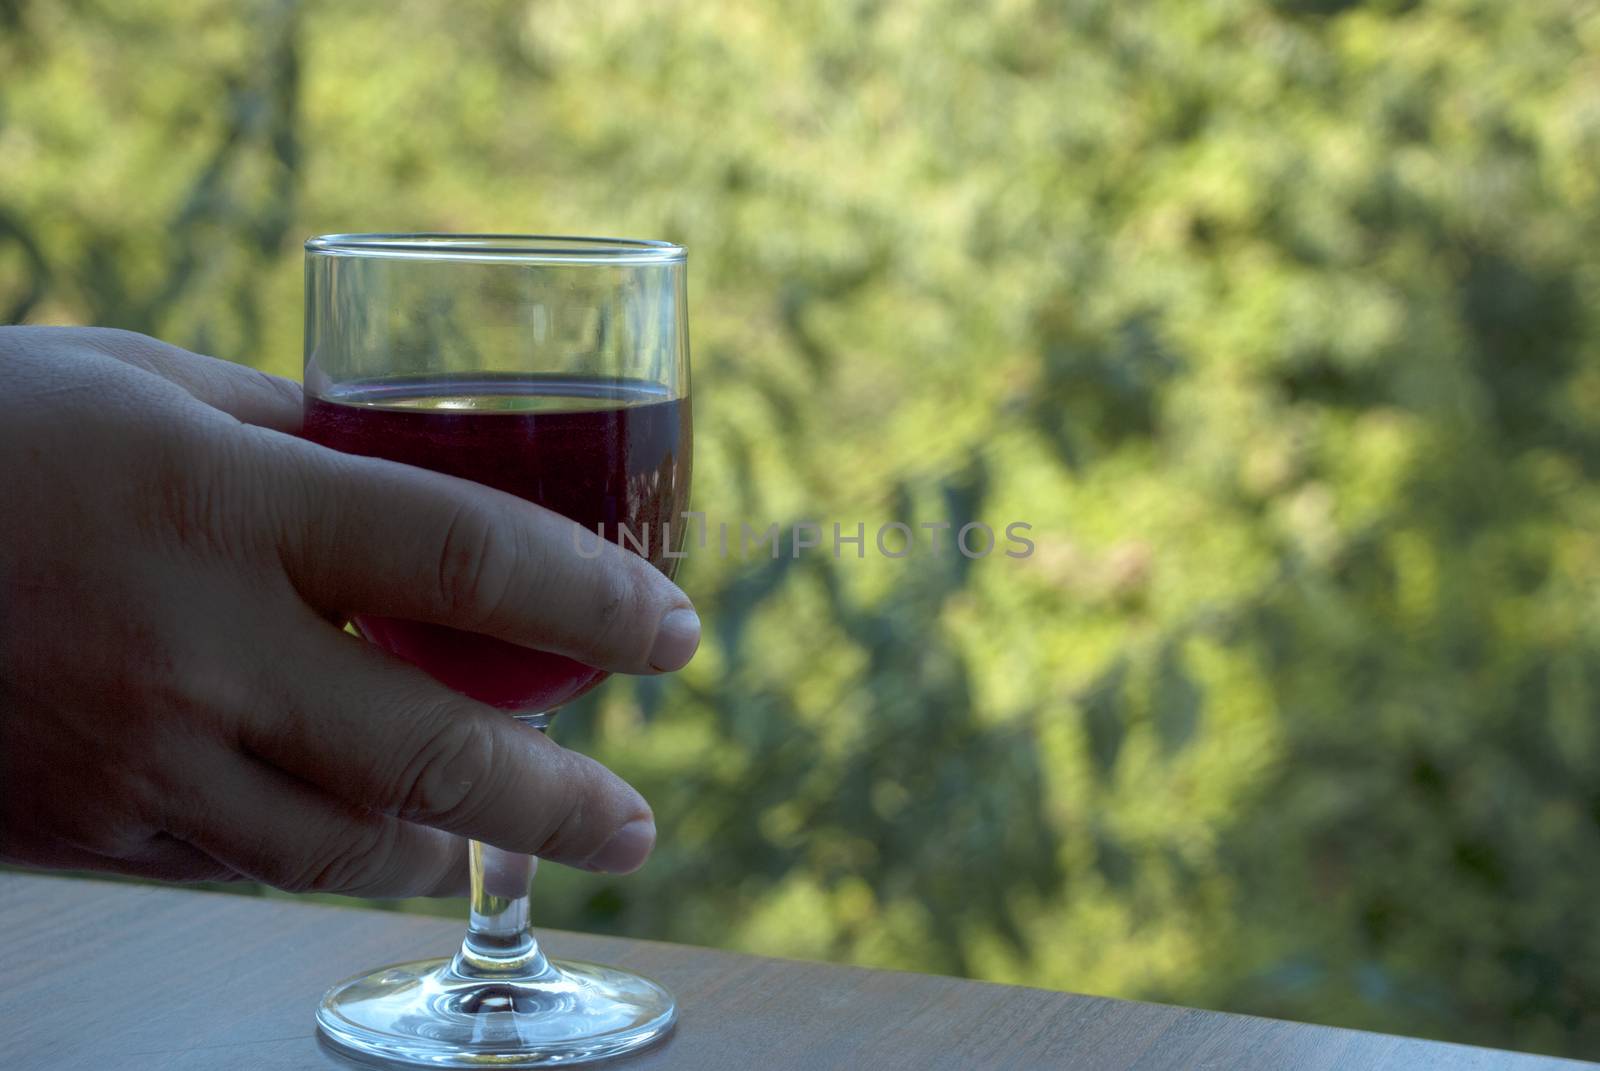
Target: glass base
427	1013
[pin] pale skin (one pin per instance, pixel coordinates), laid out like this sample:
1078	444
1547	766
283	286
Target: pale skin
178	699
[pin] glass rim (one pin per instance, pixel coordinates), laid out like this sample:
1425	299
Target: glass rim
498	248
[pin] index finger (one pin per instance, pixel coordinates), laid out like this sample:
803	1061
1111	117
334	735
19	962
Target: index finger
377	537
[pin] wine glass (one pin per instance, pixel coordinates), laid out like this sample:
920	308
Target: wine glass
555	369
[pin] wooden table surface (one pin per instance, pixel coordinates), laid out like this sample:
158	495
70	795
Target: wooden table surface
132	977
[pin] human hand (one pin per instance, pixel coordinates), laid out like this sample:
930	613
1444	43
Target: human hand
177	697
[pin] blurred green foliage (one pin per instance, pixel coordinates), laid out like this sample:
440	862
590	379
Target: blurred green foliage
1277	319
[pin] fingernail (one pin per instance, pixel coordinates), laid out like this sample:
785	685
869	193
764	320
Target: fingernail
627	849
676	640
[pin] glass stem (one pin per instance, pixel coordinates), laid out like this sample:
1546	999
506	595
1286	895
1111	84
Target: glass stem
500	943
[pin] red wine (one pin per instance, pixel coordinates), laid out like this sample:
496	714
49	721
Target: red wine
605	453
